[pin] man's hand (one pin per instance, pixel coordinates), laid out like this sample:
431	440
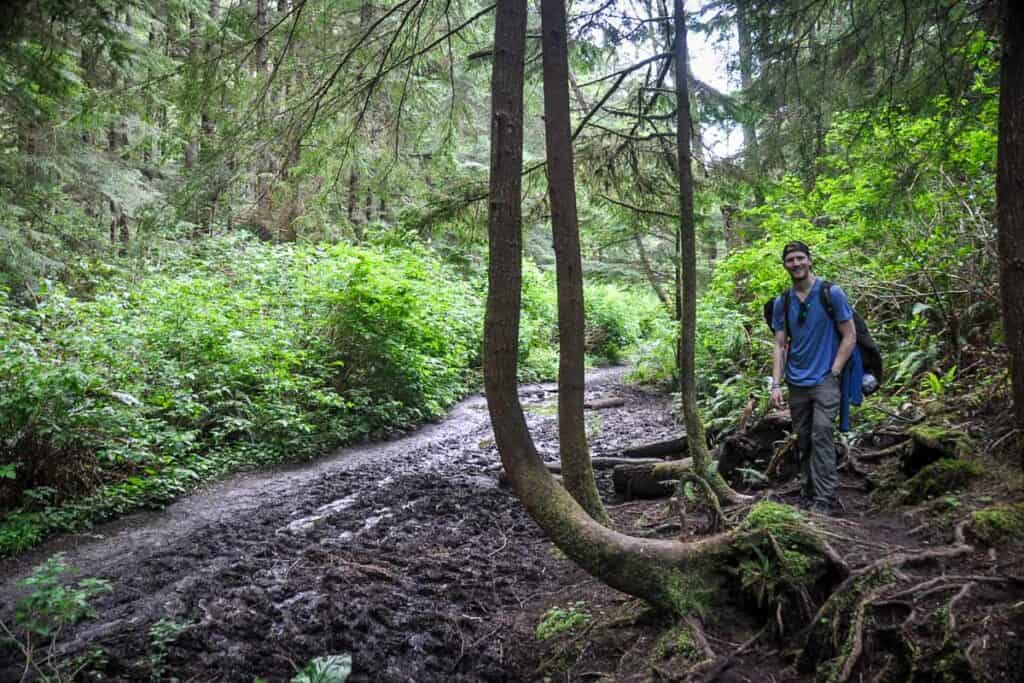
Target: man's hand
777	396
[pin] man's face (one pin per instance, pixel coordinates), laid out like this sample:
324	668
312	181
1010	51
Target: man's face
798	264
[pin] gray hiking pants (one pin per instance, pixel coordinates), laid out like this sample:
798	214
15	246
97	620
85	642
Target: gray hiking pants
813	410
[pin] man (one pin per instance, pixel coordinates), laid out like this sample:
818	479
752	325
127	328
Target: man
818	348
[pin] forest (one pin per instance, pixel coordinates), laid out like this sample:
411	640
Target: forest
446	340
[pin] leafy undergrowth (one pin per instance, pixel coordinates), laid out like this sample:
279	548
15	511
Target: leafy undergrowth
240	356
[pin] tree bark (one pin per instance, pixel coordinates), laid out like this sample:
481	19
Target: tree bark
192	147
1010	196
265	172
577	470
751	154
688	265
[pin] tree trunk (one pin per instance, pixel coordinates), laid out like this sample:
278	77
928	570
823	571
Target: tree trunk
192	147
652	278
751	154
687	256
577	471
265	173
1010	197
353	205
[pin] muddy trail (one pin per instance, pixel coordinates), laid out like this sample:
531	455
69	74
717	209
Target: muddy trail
410	556
405	553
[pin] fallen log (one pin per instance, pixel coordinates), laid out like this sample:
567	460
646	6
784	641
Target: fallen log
658	449
606	463
603	403
647	480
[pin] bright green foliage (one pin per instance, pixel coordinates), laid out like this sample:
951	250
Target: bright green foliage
999	524
52	605
558	620
240	355
942	476
901	215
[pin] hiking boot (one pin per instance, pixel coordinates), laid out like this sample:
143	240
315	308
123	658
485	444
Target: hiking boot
823	509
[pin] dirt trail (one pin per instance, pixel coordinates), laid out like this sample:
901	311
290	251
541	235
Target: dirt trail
405	553
408	555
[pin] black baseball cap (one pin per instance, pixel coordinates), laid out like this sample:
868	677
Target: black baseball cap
795	245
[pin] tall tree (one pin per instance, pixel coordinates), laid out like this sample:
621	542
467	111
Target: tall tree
577	469
1010	195
662	572
687	259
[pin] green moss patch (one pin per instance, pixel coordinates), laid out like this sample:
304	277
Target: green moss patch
942	476
781	555
999	524
929	443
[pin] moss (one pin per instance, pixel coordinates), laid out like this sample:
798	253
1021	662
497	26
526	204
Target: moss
942	476
690	592
949	442
782	553
999	524
677	641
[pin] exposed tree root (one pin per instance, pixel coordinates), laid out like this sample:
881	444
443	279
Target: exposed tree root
714	669
883	621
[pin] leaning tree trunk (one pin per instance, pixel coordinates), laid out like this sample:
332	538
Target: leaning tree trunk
687	258
1010	196
577	471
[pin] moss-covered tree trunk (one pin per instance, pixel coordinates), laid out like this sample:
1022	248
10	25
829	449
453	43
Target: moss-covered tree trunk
687	259
1010	195
577	471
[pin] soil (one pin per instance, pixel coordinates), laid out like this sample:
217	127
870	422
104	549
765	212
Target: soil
410	556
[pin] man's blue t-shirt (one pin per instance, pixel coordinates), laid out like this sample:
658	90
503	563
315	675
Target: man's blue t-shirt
814	341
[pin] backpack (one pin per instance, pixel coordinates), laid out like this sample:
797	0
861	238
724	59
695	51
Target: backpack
870	354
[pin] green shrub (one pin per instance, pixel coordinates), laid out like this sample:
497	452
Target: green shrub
240	355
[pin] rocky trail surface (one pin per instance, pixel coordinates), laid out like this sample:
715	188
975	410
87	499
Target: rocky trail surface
409	555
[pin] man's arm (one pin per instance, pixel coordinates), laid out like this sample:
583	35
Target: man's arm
778	365
849	340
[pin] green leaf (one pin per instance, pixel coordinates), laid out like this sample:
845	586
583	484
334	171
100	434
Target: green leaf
327	669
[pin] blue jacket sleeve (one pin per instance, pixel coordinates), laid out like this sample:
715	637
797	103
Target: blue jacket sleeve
850	387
